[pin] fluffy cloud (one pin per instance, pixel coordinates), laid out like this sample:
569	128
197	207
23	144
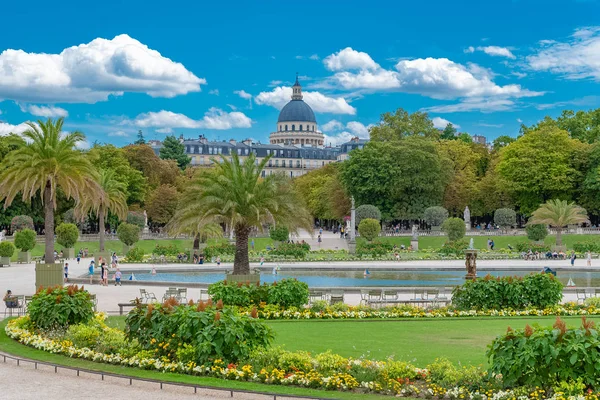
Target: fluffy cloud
90	72
243	94
358	129
576	58
6	128
214	91
314	57
495	51
215	118
332	125
281	95
118	134
349	58
83	145
475	104
45	111
441	123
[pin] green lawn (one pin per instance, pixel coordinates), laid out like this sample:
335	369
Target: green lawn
418	341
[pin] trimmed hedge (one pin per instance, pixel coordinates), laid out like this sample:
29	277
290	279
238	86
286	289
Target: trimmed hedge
285	293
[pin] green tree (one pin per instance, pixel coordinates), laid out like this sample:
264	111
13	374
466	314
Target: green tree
402	124
140	138
7	249
25	239
234	193
323	192
505	218
454	228
540	166
581	125
21	222
136	218
66	235
465	138
279	233
172	149
449	132
129	234
162	204
45	160
558	214
111	198
367	211
435	216
536	231
502	141
369	228
157	171
400	178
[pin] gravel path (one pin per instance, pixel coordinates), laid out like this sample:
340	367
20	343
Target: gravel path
25	383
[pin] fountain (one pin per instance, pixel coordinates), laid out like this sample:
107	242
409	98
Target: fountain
471	261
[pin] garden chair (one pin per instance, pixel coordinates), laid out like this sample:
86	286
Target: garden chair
94	300
147	296
182	295
390	297
374	297
171	292
315	295
337	296
15	303
364	297
581	295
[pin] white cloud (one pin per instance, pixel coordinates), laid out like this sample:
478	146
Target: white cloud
164	130
519	74
215	118
243	94
358	129
281	95
441	123
275	83
83	145
45	111
6	128
489	125
91	72
484	105
576	58
469	49
232	107
332	125
338	139
497	51
214	91
580	102
118	134
519	120
314	57
349	58
299	57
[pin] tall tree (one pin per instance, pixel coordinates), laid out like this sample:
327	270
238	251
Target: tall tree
558	214
47	159
140	138
502	141
323	192
581	125
234	193
540	166
401	124
449	132
157	171
172	149
162	203
112	198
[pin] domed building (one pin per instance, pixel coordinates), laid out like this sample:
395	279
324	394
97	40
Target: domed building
297	124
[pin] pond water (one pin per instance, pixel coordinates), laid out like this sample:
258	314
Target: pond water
354	278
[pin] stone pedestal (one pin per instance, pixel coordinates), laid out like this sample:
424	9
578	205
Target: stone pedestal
414	244
471	263
468	226
352	246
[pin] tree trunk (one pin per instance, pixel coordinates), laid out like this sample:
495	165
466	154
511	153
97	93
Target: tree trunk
196	245
241	263
48	224
101	227
559	236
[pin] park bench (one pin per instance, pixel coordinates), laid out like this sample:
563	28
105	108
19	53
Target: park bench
131	304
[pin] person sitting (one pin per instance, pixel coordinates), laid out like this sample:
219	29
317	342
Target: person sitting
9	300
548	255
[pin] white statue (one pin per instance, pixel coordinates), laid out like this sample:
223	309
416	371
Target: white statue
414	232
467	215
145	218
2	235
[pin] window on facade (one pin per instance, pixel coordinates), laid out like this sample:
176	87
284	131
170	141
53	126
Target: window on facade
277	163
298	164
293	127
313	128
246	151
239	151
291	174
270	163
280	128
220	150
286	128
283	163
300	127
263	173
210	150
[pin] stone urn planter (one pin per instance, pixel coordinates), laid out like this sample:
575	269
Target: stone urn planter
69	253
24	257
47	275
5	261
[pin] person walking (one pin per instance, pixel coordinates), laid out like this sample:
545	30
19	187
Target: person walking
104	274
66	272
492	244
573	257
218	261
589	258
91	271
319	240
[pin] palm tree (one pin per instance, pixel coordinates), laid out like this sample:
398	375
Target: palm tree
113	198
558	214
45	160
234	193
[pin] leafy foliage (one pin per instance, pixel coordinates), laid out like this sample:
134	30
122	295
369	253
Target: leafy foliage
526	246
297	250
284	293
489	293
21	222
135	255
369	228
7	249
161	250
376	249
584	247
206	332
542	356
456	247
367	211
279	233
172	149
136	218
401	124
558	213
505	217
59	307
219	249
536	231
162	204
455	228
324	193
128	233
435	216
25	239
67	235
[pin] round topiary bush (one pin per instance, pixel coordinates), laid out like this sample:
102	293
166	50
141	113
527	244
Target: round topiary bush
367	211
536	232
435	216
505	218
129	234
136	218
25	239
279	233
454	228
21	222
67	235
369	228
7	249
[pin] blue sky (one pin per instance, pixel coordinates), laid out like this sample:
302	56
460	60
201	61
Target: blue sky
223	69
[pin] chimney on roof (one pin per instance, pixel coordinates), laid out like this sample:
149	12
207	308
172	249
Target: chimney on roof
247	142
202	139
181	138
232	141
